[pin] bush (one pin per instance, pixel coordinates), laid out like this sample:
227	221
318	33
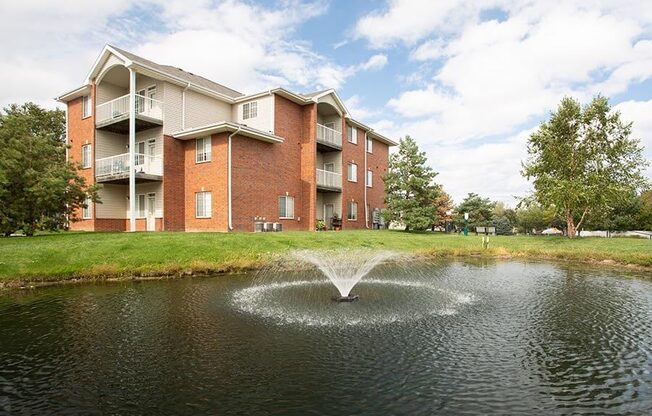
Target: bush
503	226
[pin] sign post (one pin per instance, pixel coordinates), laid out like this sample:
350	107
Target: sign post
466	223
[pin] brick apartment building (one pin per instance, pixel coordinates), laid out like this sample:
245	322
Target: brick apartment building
208	158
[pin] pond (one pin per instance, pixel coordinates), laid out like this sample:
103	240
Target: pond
451	337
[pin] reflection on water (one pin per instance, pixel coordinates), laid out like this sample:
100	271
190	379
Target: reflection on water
527	338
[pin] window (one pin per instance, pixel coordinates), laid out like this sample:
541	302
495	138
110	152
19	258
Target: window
370	179
370	145
86	156
140	205
87	108
87	209
352	134
249	110
203	148
286	207
203	205
353	172
352	214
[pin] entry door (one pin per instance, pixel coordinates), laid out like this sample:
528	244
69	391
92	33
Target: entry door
151	211
328	215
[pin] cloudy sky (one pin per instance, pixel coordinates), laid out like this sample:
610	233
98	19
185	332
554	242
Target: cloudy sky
469	80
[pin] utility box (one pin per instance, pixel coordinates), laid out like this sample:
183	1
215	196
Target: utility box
268	227
259	227
278	226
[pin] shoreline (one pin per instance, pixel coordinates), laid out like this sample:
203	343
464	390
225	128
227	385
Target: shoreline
204	269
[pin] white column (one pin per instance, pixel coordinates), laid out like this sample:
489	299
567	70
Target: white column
132	150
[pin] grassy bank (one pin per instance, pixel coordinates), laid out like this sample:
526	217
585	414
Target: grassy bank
101	255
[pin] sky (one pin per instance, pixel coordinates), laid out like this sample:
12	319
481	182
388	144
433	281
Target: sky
468	80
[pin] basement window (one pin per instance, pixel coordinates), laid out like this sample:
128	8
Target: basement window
87	209
352	214
250	110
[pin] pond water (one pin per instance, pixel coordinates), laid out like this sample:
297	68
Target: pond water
479	337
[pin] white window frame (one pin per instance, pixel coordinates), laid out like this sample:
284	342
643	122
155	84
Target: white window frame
353	137
203	155
87	156
250	110
87	213
287	202
206	203
370	178
370	145
352	172
87	106
350	211
141	205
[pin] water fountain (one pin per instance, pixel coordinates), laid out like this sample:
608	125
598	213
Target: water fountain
344	268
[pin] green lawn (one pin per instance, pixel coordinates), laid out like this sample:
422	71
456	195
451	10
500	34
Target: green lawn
100	255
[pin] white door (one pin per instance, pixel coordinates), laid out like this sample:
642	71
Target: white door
328	215
151	150
151	211
329	167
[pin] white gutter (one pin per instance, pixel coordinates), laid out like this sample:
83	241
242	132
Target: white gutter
229	180
366	213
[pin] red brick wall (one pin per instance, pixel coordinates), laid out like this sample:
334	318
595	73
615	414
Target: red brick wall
174	207
111	224
308	156
377	162
81	132
210	177
261	172
353	191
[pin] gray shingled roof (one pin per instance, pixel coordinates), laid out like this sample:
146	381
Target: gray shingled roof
180	73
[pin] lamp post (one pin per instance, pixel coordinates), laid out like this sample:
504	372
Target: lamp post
466	223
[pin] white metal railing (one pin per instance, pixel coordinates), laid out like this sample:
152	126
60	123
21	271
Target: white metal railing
119	107
119	164
329	136
329	179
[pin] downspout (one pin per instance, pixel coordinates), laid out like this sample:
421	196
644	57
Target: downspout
183	107
366	213
229	178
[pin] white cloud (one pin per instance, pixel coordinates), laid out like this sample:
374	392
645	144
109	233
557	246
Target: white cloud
639	112
243	45
357	110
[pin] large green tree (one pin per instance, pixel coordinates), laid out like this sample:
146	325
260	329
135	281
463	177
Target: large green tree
480	210
410	188
582	159
38	188
645	215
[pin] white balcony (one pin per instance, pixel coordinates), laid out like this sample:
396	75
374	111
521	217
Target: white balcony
116	168
329	180
114	115
329	136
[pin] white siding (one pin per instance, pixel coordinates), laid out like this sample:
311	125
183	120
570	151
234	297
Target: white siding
265	118
114	201
109	144
330	100
202	110
107	92
172	108
157	133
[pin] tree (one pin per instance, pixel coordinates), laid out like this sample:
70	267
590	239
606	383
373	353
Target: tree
503	225
481	211
645	214
38	188
535	217
582	159
622	215
410	188
444	204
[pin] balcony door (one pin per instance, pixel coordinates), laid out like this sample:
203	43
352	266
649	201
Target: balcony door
151	212
329	167
328	215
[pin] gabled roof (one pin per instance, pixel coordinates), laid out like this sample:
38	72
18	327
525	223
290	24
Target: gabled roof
179	73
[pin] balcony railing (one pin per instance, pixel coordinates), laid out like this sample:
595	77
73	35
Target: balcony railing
118	165
119	107
329	136
327	179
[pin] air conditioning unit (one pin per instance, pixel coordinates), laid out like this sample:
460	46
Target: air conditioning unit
269	226
278	226
259	227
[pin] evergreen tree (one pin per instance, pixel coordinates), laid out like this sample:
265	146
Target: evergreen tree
38	188
410	188
480	210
